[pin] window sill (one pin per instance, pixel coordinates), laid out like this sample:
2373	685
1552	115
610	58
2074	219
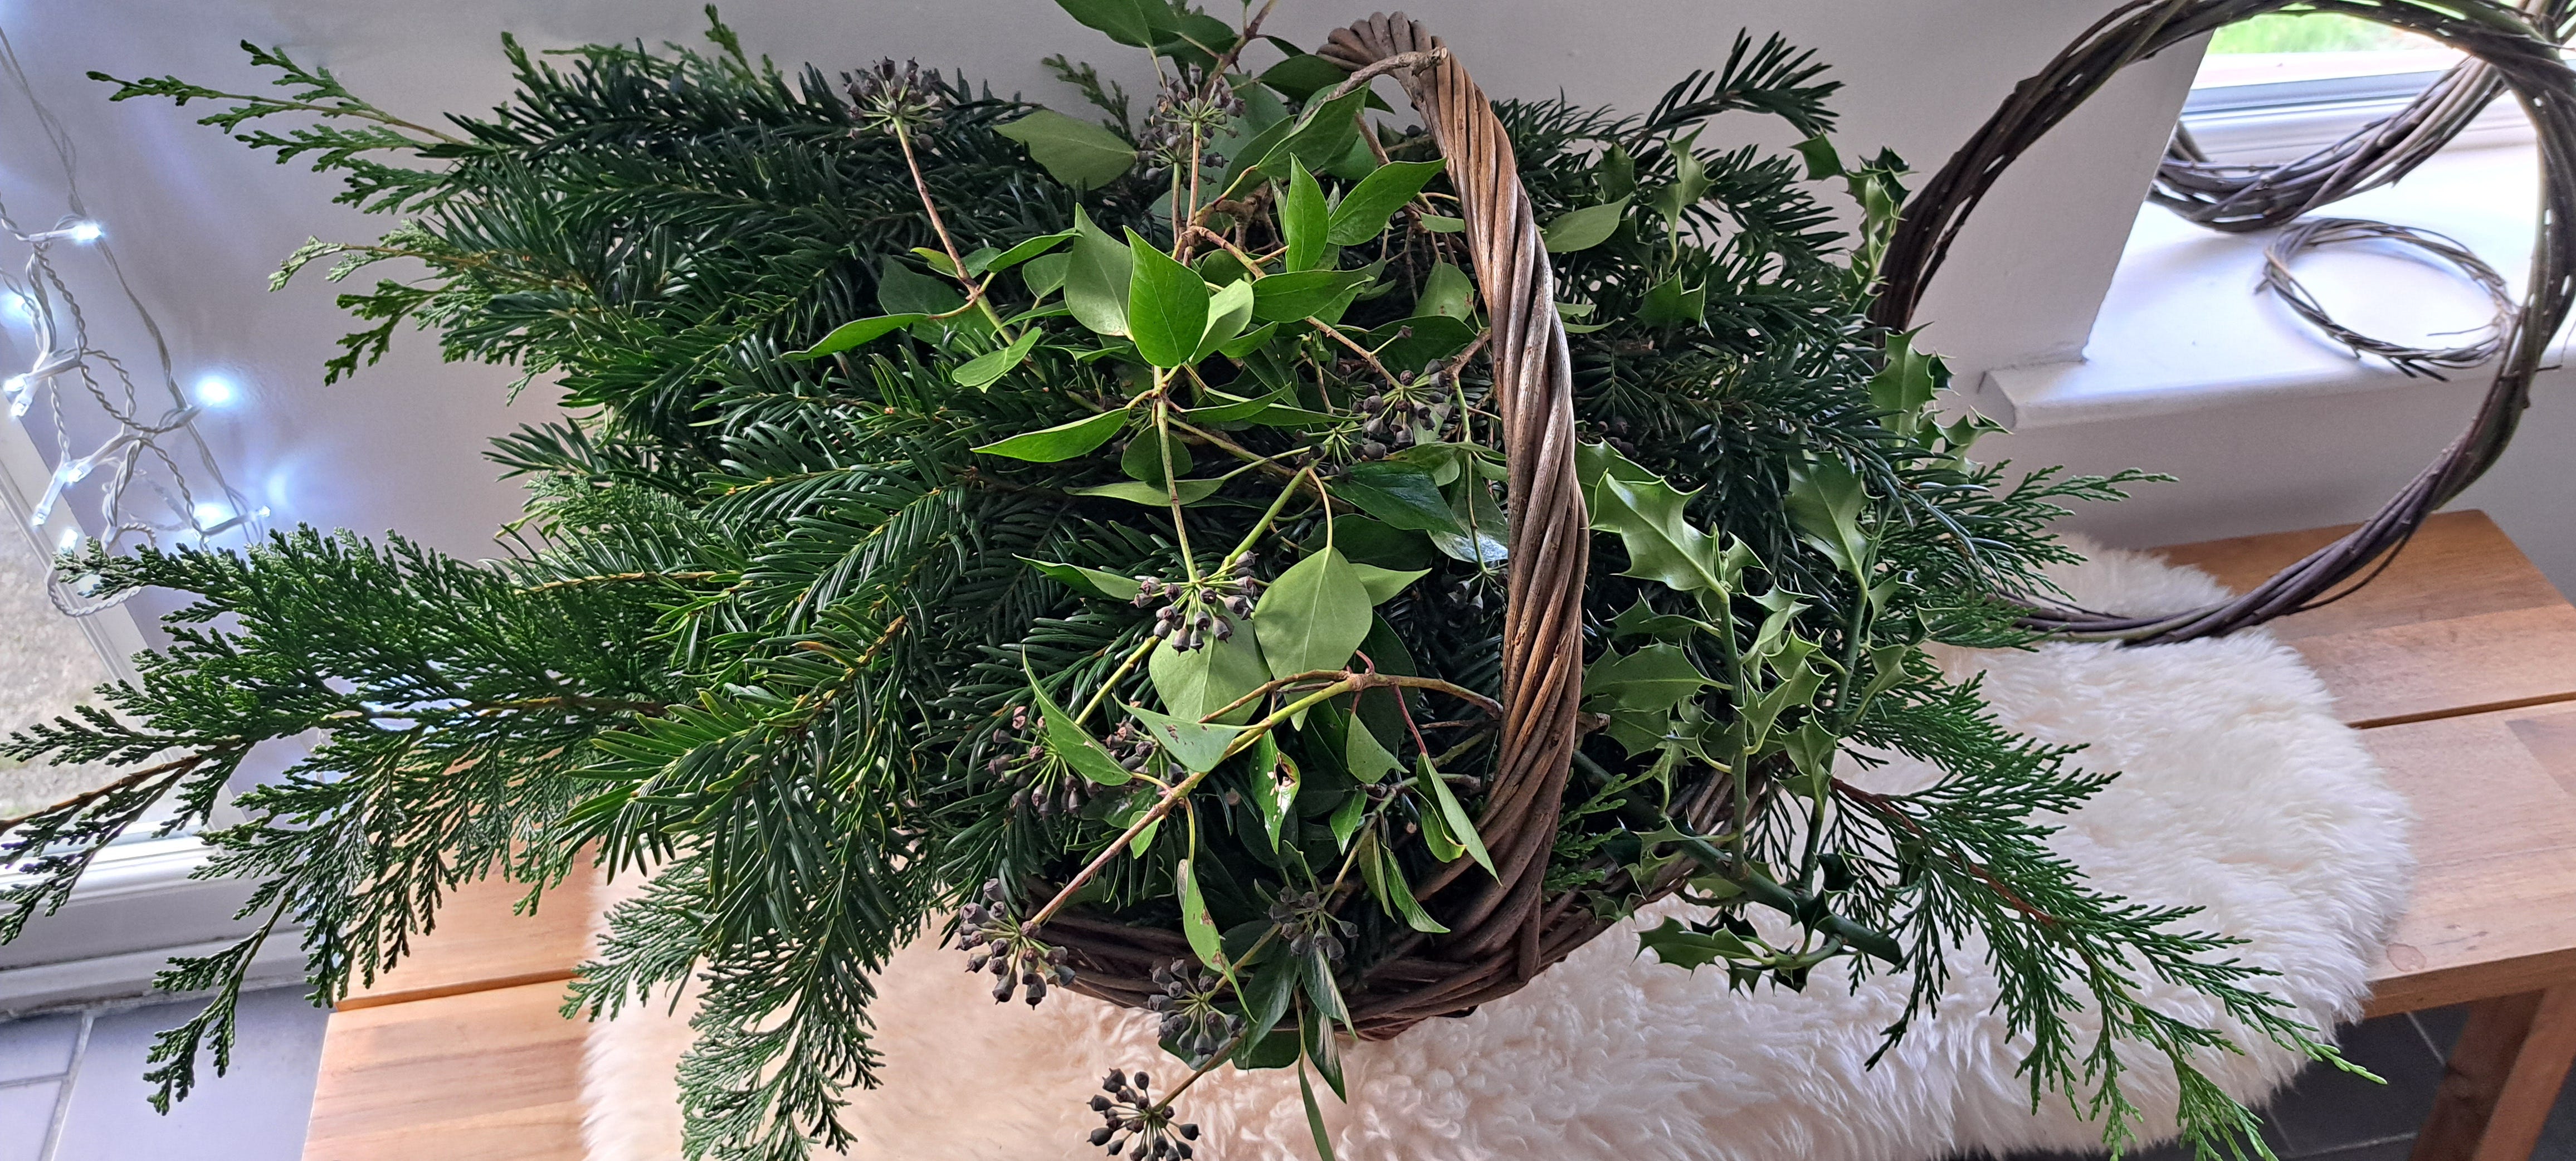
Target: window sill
137	907
2183	327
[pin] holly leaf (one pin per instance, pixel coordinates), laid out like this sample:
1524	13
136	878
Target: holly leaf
1682	947
1061	442
1825	501
1657	677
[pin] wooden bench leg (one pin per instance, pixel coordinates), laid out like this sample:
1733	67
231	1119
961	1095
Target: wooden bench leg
2502	1078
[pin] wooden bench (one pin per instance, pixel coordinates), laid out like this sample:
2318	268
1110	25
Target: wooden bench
2459	663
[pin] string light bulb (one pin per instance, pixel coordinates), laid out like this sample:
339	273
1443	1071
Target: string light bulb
215	390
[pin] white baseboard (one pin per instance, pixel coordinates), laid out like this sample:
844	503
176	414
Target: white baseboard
135	909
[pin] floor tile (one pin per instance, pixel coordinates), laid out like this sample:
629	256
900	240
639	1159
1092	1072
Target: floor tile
36	1046
25	1112
2397	1150
255	1113
2327	1109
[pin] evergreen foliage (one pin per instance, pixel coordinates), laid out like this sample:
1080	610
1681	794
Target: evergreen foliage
947	526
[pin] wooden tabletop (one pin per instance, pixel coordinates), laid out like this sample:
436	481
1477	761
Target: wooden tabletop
2459	663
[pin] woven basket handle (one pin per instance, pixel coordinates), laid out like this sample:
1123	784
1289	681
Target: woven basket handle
1550	530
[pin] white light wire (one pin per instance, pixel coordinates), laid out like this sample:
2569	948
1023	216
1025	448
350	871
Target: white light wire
77	382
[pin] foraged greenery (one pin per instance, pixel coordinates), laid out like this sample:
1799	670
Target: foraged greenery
985	510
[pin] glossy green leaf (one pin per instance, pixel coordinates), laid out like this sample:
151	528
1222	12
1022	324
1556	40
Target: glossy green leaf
1070	743
1461	827
1196	923
1090	582
1617	173
1314	1116
1401	893
1061	442
1167	306
1446	292
1147	454
1370	541
1365	209
904	290
1400	494
1197	746
1669	303
1242	346
1023	252
1384	583
1822	161
1136	23
1682	947
1096	281
1585	228
859	333
1044	274
1363	754
1152	495
1228	310
1418	342
1647	514
1275	781
1303	75
1288	297
1656	677
1313	616
1322	135
1689	185
1209	678
1345	820
1303	218
982	370
1825	501
1638	620
1442	223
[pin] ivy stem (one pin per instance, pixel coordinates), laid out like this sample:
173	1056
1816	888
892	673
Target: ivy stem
956	264
1179	790
1263	526
1171	486
1102	694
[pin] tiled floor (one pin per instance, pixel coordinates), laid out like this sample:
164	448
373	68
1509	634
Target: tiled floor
2333	1116
71	1086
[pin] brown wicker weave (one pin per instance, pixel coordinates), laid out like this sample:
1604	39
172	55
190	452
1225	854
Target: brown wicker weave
2524	60
1503	930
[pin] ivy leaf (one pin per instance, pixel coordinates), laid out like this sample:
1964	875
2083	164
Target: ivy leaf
1090	582
1167	306
1399	494
1197	746
1314	616
1303	75
1196	923
1323	134
1096	283
1441	223
1208	678
1302	218
902	290
1135	23
1081	154
1405	904
982	370
859	333
1152	495
1384	583
1061	442
1228	310
1022	252
1657	677
1145	456
1275	781
1314	1115
1045	273
1585	228
1365	209
1070	743
1415	343
1365	756
1288	297
1447	293
1462	829
1345	821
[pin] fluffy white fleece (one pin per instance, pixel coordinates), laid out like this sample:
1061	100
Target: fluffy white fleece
2239	792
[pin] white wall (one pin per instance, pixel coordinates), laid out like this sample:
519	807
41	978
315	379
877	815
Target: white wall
200	220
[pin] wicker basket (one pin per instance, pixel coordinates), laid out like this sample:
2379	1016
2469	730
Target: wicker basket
1505	929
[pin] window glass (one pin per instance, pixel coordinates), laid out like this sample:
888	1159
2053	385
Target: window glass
2290	47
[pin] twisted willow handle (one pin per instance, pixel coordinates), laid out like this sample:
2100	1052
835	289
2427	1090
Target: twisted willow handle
1534	384
2524	60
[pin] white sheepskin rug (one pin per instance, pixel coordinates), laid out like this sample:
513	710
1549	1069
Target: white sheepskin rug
2239	792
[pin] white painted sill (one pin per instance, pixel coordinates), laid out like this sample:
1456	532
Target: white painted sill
136	908
2183	327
